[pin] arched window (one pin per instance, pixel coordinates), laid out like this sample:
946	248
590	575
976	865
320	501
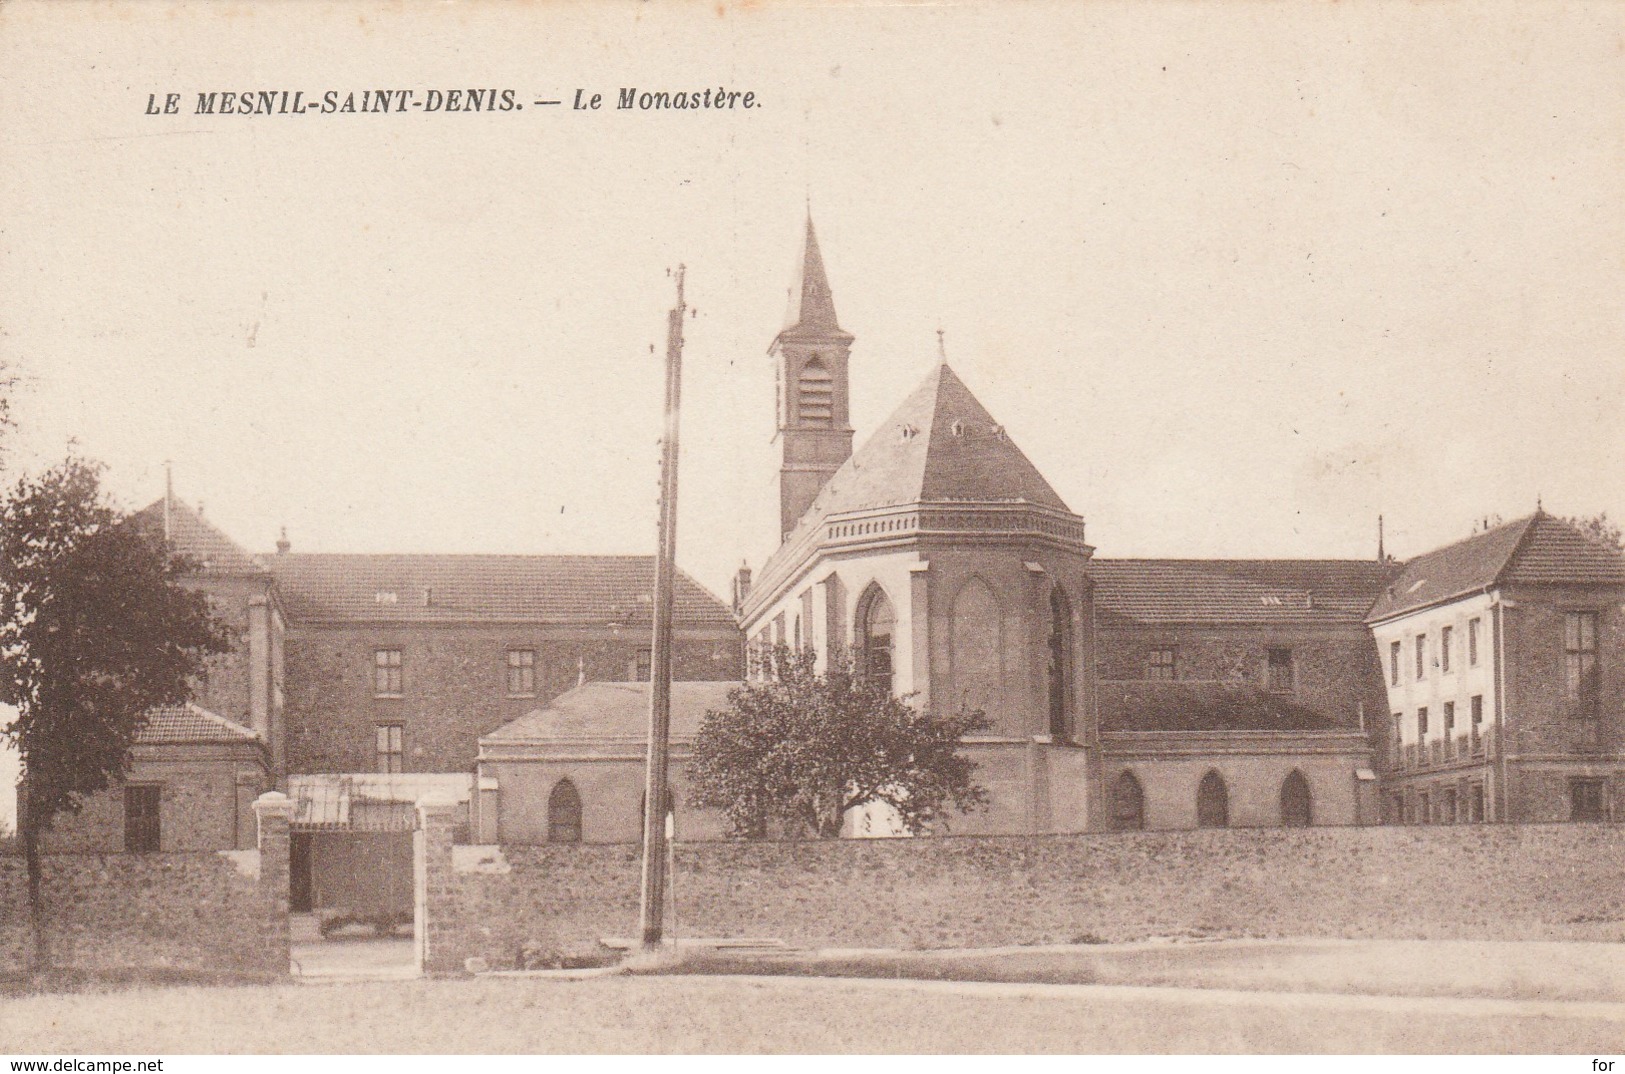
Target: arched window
1212	802
876	623
1060	663
1297	808
1128	804
564	813
815	395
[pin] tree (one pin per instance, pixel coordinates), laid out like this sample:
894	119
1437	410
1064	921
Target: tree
94	632
1600	528
793	753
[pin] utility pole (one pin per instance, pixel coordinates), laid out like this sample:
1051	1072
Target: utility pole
655	795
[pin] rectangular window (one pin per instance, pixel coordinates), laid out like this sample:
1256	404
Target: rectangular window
1398	740
1580	656
1472	643
1280	670
386	672
1447	806
1393	664
1449	718
1421	723
521	672
643	666
388	747
1421	656
1586	800
1477	705
1424	813
142	832
1159	664
1476	803
1444	649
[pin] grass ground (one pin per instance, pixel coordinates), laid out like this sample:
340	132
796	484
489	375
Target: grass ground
797	1014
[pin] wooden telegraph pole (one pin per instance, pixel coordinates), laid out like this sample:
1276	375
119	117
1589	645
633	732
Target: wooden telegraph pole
655	795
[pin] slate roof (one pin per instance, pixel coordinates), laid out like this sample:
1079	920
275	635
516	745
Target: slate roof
1203	706
812	304
1243	591
1537	549
170	724
192	536
452	588
917	456
596	710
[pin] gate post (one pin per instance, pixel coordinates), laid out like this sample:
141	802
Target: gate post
274	810
434	900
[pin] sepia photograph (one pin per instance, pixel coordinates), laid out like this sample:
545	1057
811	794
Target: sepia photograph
1098	525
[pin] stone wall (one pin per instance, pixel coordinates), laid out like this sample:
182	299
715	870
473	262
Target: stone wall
222	911
1495	882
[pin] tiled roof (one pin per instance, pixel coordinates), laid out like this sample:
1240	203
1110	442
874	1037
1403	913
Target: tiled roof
450	588
941	445
1129	591
190	723
1536	549
613	710
1203	706
190	535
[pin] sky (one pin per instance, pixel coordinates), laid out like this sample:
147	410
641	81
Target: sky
1237	278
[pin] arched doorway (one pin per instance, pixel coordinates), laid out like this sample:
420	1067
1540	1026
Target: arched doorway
875	626
1128	804
1212	802
1060	664
1297	806
564	813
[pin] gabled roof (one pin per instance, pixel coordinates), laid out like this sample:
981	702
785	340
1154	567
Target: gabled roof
596	710
169	724
812	304
1239	591
192	536
452	588
1204	706
1538	549
940	445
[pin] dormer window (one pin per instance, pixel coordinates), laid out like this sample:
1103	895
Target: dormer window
909	432
957	428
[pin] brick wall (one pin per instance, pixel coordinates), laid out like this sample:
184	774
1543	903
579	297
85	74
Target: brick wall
454	684
1541	720
1336	669
1511	883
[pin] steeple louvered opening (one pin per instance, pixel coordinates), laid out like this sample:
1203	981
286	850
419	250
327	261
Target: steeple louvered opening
815	395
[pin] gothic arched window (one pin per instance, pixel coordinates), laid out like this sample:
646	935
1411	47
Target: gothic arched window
1212	802
1297	808
876	623
815	395
1128	804
564	813
1060	663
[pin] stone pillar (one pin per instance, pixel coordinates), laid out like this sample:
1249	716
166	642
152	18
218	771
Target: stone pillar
434	879
274	810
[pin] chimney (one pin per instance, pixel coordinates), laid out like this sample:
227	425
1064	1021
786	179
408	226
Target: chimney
741	587
283	545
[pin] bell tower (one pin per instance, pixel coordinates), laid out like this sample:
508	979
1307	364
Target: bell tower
815	430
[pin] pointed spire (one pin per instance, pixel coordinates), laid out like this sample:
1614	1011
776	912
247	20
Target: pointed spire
169	497
812	307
